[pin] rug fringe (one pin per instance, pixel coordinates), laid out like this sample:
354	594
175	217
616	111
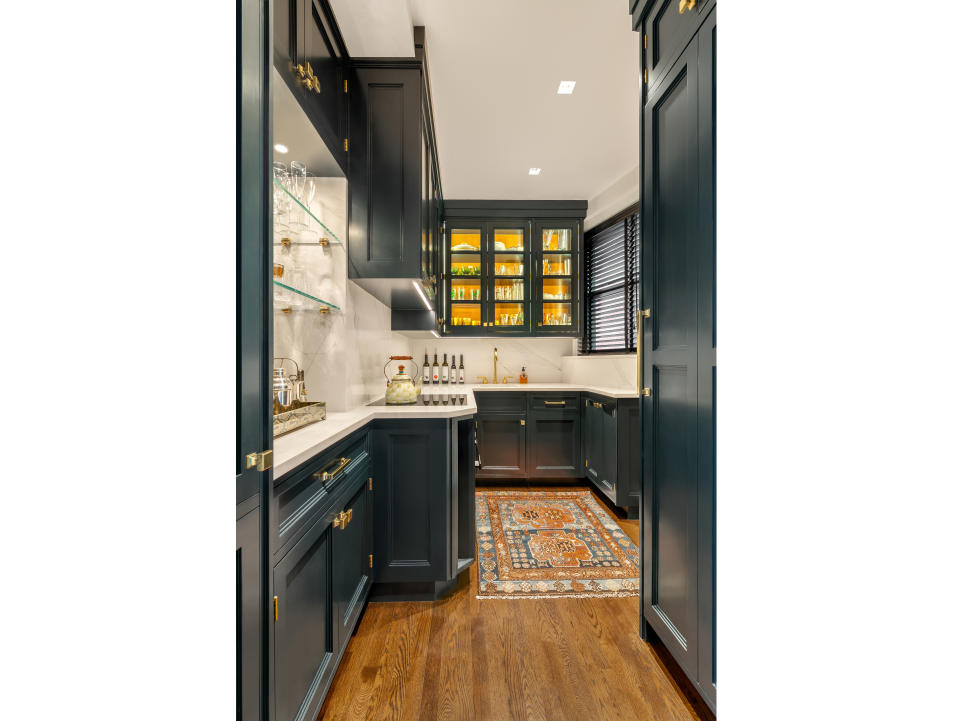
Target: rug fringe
604	594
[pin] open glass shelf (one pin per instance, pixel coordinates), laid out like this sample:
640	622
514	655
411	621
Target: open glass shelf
318	305
328	235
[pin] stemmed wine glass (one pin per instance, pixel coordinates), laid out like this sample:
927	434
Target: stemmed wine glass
281	201
298	174
308	194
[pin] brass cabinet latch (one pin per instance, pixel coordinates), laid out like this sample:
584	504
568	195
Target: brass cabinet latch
371	560
261	461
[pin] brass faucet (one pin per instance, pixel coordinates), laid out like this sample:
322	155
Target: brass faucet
494	365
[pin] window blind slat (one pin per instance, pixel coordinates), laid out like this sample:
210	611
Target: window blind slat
611	284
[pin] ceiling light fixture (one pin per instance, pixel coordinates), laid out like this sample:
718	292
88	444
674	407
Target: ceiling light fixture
566	87
534	171
422	295
280	148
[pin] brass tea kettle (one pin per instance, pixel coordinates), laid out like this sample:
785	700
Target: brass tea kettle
402	390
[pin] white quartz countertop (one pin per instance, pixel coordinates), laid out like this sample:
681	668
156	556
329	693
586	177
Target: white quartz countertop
291	450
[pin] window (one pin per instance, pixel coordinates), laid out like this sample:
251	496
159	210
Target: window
611	285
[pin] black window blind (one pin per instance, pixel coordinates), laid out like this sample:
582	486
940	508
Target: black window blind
611	285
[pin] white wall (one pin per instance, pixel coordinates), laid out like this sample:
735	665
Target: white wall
541	356
619	195
342	353
612	371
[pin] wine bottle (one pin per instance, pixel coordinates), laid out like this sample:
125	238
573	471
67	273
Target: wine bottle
426	369
463	376
445	370
436	367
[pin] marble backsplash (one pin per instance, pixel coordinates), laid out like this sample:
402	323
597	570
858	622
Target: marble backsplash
341	353
541	356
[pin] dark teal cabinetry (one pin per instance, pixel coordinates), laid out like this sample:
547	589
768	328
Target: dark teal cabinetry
423	507
556	435
321	574
395	196
678	247
611	454
411	462
305	34
512	268
249	612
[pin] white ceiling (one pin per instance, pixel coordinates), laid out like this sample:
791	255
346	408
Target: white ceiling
494	68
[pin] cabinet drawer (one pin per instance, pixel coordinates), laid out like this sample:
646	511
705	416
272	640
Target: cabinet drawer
501	401
554	402
308	490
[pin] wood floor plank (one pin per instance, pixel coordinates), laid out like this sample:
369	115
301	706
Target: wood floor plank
464	659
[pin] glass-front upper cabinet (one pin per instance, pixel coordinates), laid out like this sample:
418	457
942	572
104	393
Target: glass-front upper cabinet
508	289
465	251
556	271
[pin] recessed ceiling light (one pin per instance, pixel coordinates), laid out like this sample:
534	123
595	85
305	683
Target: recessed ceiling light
534	171
566	87
280	148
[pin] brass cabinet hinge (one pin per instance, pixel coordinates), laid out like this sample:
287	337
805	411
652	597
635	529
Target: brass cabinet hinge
345	82
371	560
586	464
276	609
644	43
346	144
644	75
646	392
261	461
370	482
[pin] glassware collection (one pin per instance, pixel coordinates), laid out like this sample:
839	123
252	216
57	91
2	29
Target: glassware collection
296	222
442	375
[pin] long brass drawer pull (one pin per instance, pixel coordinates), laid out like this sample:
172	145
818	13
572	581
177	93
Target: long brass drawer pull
554	403
328	475
641	391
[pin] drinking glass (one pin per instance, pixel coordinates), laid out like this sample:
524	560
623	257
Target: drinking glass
298	176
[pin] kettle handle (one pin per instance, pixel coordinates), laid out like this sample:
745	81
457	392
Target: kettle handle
399	357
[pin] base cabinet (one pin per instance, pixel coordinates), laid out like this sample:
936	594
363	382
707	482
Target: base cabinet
305	642
502	438
554	447
410	461
321	575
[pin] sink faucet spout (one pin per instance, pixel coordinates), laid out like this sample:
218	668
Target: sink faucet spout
495	365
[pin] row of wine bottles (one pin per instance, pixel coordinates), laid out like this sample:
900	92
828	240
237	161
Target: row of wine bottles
444	373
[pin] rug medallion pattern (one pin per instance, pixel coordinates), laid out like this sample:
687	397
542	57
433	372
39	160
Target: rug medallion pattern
552	544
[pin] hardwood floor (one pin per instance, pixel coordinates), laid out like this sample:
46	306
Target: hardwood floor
461	659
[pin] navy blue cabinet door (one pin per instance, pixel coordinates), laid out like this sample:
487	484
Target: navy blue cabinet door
411	469
249	616
352	574
707	360
384	234
670	267
502	439
305	643
254	429
319	43
554	444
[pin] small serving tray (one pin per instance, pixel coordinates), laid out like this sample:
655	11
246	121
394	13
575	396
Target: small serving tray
300	415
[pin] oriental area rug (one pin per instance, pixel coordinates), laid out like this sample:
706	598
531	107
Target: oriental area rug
551	544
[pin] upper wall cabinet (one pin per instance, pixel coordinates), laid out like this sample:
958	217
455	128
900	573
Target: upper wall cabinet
395	197
666	26
512	267
310	56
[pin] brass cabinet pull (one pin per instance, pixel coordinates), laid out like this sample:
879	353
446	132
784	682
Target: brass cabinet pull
554	403
328	475
641	391
596	405
687	5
